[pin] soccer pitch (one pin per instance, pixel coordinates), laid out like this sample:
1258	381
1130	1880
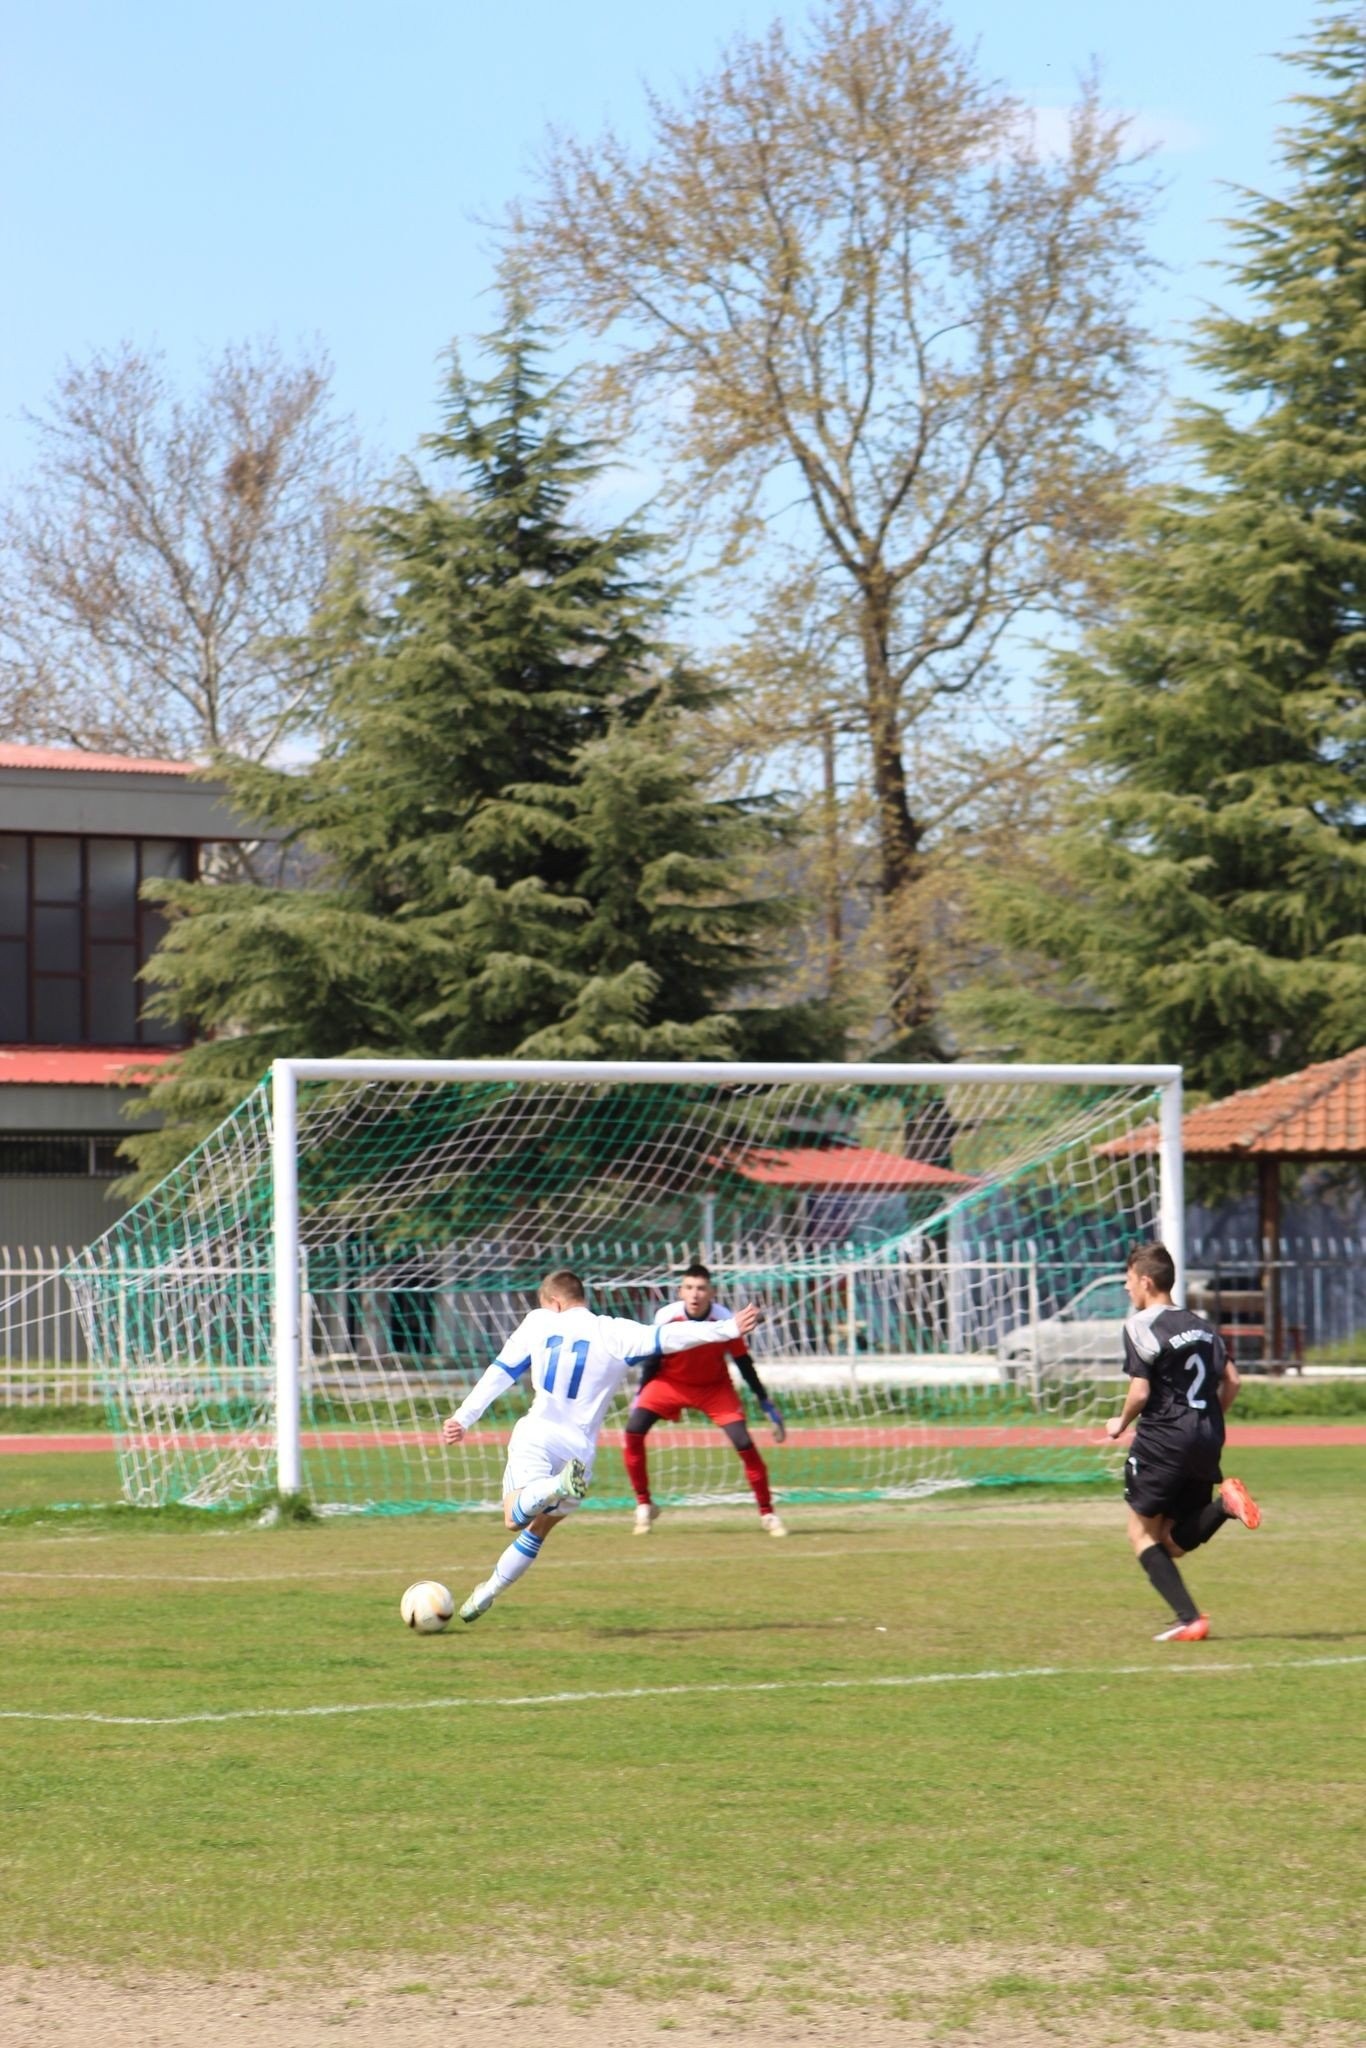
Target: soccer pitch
913	1775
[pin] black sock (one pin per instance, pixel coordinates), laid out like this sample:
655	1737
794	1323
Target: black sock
1167	1581
1198	1529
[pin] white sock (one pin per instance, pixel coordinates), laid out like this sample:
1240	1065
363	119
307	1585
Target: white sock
519	1557
534	1500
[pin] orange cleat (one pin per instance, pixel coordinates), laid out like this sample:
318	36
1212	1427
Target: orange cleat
1185	1631
1240	1504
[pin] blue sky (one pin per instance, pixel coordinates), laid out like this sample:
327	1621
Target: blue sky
192	175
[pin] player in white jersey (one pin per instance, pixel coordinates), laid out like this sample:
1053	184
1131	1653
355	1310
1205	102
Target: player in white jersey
576	1361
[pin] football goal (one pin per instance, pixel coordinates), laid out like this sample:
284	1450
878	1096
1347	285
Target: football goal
938	1251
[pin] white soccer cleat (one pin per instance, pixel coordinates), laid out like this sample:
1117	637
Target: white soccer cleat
773	1524
479	1602
647	1514
572	1482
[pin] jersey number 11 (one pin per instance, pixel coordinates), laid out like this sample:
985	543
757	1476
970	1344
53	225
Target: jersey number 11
552	1365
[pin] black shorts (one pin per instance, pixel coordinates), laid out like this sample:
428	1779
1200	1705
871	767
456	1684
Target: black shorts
1171	1479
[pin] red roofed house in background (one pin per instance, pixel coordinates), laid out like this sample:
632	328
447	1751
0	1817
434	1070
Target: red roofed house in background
826	1169
79	835
1308	1118
837	1184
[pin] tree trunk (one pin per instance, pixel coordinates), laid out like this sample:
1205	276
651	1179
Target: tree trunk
911	1005
834	904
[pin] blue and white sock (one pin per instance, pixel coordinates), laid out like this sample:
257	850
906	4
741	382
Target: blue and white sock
520	1555
533	1500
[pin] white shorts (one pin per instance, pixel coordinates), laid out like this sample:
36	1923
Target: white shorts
535	1452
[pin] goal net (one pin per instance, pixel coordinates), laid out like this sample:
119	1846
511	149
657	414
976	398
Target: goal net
938	1252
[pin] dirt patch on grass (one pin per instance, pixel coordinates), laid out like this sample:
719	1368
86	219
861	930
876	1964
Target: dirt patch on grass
972	1998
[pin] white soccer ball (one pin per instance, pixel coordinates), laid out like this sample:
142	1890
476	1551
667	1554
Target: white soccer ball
427	1607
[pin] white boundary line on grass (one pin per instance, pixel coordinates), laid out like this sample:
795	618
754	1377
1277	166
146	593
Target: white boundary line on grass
886	1683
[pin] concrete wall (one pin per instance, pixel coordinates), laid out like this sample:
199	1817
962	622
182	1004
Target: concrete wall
48	1209
116	805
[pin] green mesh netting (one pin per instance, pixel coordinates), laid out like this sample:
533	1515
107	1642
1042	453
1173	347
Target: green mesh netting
939	1261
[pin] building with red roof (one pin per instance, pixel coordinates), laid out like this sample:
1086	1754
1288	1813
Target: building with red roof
830	1169
80	835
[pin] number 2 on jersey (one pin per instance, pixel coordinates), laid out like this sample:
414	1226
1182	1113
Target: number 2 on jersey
552	1365
1197	1366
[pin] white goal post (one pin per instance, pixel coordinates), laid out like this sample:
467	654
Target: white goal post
288	1076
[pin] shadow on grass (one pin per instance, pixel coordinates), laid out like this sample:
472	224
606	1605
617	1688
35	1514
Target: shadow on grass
722	1628
1290	1635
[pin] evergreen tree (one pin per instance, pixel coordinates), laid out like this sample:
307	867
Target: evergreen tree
514	854
1204	898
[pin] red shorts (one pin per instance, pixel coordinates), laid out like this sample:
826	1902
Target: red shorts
718	1401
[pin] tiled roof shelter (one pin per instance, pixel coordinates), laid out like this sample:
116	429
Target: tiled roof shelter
1319	1113
1316	1114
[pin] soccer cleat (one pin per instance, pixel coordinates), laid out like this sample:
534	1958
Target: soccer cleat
1239	1503
572	1482
773	1524
479	1602
1185	1631
647	1514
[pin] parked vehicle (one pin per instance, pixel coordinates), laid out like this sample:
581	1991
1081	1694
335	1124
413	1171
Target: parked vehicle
1085	1334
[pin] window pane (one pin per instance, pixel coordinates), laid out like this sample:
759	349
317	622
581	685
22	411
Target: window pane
112	880
153	932
165	858
13	884
156	1030
57	1013
57	870
30	1156
13	991
113	996
56	940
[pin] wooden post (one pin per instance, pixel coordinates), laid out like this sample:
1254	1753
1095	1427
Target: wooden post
1269	1227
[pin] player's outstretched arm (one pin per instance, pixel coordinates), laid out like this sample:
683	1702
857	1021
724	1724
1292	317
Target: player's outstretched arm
683	1335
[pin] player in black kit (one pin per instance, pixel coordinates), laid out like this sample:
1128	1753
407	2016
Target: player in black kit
1180	1383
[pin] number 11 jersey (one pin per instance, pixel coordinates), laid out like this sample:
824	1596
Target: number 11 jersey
575	1361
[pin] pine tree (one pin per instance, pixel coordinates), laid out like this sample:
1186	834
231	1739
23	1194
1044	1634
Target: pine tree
513	852
1204	899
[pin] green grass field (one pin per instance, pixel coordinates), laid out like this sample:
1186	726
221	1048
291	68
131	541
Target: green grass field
918	1769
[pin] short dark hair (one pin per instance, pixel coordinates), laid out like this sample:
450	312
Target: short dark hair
567	1285
1155	1263
697	1271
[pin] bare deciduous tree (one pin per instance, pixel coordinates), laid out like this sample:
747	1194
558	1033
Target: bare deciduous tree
845	276
162	556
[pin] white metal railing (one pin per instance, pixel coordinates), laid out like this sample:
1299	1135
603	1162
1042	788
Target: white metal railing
42	1346
906	1304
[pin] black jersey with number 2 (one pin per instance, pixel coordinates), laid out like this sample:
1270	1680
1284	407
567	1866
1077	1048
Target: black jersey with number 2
1182	1358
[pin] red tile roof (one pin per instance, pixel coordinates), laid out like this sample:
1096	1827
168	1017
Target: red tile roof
1319	1113
843	1166
61	758
65	1066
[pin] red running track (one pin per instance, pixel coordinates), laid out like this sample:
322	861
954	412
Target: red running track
1247	1436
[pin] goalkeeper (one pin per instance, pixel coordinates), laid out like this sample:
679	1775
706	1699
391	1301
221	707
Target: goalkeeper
699	1379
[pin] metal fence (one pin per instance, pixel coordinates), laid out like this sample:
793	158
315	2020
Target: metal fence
1284	1303
1301	1302
42	1346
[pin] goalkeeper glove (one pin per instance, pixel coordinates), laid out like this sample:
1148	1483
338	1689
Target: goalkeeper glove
775	1416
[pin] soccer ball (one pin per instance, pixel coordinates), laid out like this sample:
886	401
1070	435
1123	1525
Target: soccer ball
427	1607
